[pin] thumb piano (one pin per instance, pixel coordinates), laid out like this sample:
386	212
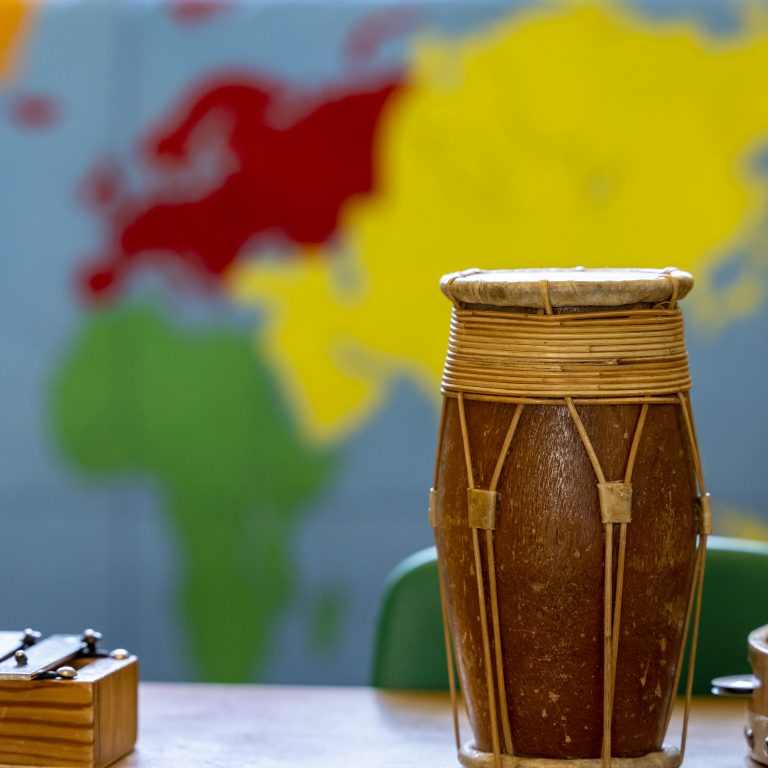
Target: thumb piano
64	701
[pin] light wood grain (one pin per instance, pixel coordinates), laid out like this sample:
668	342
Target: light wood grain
116	726
198	726
88	722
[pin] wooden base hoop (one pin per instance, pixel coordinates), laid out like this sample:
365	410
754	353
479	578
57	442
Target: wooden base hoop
469	757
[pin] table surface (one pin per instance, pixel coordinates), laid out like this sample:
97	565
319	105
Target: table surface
272	726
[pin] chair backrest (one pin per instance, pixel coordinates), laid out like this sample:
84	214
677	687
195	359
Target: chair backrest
735	602
409	650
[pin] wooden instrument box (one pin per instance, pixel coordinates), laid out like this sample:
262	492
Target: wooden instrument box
65	703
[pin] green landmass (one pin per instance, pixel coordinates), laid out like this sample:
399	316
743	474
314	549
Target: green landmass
326	619
199	412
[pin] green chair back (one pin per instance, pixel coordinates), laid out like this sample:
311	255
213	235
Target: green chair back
409	651
735	602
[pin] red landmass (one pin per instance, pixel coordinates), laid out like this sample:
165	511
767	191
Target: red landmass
35	112
293	158
197	11
102	186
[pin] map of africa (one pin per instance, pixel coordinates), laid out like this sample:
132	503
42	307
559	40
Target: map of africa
237	456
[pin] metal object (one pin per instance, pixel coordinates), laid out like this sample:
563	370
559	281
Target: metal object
735	685
755	687
41	657
757	708
91	639
11	642
31	636
24	656
67	672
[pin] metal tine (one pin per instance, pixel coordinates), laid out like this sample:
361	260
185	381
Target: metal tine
20	661
33	659
16	640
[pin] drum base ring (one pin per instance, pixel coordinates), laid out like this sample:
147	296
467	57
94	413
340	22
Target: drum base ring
469	757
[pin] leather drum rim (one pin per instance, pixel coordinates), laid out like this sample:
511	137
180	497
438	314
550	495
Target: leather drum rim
577	287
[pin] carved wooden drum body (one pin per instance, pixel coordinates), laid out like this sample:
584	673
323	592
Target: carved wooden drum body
570	513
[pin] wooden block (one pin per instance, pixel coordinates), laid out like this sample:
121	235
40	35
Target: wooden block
88	722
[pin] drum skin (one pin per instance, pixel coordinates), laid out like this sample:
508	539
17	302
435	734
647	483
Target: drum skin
549	552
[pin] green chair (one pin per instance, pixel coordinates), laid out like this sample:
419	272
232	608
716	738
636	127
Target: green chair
735	602
409	650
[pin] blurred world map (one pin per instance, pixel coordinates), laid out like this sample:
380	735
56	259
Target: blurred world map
223	226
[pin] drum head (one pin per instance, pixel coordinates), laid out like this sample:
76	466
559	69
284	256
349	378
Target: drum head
577	287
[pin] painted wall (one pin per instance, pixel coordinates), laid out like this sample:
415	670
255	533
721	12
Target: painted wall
222	225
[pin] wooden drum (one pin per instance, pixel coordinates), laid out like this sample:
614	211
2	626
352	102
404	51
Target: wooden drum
570	514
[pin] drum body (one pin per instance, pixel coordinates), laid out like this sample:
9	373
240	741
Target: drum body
566	619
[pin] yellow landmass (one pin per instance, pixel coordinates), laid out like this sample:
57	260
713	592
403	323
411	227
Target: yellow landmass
13	15
741	524
580	134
